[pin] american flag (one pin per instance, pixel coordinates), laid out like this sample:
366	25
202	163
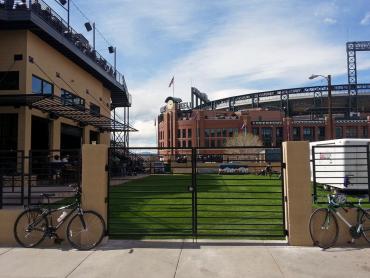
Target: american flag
172	81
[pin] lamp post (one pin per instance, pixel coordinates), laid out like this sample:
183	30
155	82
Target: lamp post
330	112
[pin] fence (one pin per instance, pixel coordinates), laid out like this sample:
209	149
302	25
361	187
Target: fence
341	169
195	192
24	178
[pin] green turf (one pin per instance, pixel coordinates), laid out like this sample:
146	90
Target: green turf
231	206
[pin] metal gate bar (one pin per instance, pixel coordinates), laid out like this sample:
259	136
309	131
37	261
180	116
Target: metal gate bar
185	192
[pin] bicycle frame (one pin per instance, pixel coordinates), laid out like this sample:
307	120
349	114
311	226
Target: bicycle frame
360	212
73	207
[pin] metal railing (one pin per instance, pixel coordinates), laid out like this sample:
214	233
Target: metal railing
54	20
234	192
24	178
343	169
12	177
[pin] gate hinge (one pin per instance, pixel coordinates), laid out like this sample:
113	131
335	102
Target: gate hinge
286	232
106	200
285	199
106	168
283	165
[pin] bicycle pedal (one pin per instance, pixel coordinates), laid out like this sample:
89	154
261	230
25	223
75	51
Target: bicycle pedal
58	240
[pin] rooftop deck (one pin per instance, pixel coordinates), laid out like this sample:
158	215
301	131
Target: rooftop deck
42	20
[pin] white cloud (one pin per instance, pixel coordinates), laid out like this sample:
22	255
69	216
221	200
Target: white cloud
366	19
329	20
258	43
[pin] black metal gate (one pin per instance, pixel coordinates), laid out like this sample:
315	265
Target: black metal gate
196	192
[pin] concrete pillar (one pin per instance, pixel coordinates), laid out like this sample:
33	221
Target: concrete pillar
298	206
95	178
55	134
104	138
86	135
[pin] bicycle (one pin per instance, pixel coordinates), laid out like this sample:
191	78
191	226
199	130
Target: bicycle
85	229
324	227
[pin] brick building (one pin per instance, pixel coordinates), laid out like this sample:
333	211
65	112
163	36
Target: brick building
211	128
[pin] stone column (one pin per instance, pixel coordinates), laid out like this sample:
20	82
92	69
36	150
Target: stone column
298	206
95	178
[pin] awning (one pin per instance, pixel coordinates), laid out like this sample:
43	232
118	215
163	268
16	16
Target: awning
58	107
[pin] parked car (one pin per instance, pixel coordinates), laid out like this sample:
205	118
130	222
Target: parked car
158	167
233	169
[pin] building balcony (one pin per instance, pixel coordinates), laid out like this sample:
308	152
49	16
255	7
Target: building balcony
42	20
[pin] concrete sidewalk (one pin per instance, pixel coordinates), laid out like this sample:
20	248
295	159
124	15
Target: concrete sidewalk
168	259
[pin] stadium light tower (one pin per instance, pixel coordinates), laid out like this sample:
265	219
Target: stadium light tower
330	113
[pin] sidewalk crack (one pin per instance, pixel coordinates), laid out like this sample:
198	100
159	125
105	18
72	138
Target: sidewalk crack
178	259
281	272
79	264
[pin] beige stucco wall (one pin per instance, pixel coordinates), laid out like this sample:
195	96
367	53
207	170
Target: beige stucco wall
14	42
94	188
298	192
47	62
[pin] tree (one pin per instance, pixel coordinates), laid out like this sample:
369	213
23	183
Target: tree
245	152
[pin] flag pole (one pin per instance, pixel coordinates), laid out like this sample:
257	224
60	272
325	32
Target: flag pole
173	88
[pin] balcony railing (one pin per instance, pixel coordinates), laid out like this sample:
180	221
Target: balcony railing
54	20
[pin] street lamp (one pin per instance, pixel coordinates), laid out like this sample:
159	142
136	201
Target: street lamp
330	113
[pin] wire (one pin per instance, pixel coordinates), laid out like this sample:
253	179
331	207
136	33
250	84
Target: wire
85	16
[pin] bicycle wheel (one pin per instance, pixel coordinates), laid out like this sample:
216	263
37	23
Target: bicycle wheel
30	228
323	228
86	231
365	220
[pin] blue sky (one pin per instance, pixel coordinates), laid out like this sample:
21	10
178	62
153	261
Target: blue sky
224	47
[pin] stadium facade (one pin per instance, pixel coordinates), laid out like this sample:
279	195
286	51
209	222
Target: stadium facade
275	116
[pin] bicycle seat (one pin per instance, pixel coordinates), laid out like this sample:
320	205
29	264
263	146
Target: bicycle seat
47	195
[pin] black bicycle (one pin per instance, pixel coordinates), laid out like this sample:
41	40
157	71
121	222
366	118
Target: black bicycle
85	229
324	228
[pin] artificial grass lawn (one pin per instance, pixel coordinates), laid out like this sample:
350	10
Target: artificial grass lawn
231	206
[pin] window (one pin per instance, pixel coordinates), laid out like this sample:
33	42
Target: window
189	144
296	133
189	133
179	133
184	133
212	133
94	109
321	133
9	80
255	131
338	132
266	136
206	143
365	132
206	132
70	99
351	132
279	136
213	144
308	134
40	86
231	132
224	132
219	132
